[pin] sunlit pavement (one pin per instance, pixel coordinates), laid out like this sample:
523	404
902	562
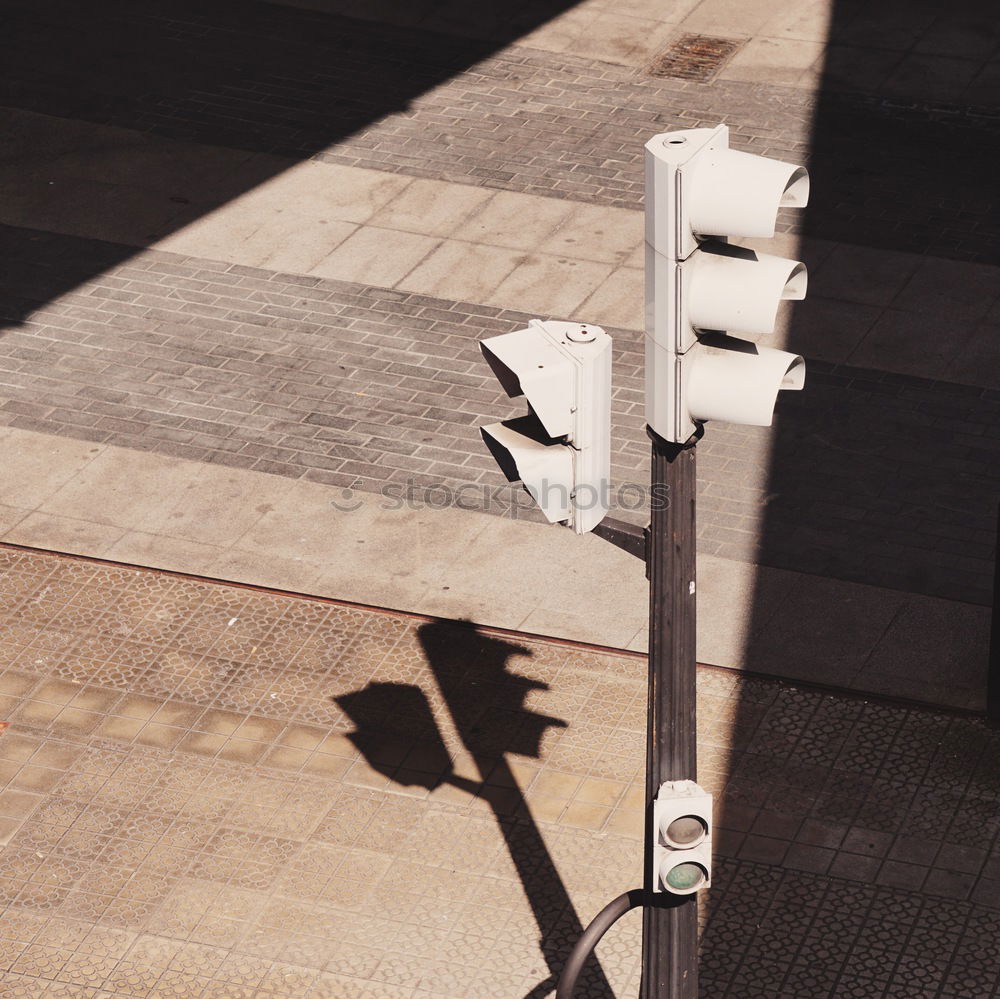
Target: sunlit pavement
295	299
230	294
219	791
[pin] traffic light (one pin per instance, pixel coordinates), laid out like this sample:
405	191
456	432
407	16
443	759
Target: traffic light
700	289
682	838
560	451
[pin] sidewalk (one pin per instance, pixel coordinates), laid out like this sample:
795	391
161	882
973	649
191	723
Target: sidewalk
488	567
214	791
230	294
246	254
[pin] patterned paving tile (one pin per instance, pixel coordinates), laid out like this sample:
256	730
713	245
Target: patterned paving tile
265	853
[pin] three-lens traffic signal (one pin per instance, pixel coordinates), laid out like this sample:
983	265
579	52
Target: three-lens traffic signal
700	289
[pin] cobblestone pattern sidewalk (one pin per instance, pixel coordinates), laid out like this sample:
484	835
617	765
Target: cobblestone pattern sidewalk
186	809
883	479
889	173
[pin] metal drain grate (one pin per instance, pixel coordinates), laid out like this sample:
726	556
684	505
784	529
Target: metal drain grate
694	57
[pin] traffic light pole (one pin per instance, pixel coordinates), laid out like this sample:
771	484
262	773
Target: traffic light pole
670	922
993	675
701	290
667	546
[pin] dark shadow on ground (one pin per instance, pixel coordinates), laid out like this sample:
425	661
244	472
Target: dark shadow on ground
243	75
905	131
486	704
873	478
876	477
841	852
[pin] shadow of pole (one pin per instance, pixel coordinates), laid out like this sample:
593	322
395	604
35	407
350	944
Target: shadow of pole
486	704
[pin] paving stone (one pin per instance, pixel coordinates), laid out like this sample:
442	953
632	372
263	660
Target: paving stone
859	488
520	120
252	760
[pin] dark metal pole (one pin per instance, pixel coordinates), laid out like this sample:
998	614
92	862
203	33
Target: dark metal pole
670	928
993	677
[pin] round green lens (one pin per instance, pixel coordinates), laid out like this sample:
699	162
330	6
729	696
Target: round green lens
684	877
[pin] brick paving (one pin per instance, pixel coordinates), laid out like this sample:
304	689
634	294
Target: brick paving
892	173
209	788
882	479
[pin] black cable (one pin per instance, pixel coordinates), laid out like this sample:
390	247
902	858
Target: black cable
591	937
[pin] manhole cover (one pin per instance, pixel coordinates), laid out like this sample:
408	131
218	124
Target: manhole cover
694	57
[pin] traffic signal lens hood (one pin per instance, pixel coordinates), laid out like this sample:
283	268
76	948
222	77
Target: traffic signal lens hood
732	288
737	381
733	193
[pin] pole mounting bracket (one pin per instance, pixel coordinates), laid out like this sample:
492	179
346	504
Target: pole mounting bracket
628	537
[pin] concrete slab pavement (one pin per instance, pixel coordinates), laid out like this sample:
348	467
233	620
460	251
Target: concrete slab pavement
359	387
309	538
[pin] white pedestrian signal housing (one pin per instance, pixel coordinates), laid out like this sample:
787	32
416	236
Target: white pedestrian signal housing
560	451
700	289
682	838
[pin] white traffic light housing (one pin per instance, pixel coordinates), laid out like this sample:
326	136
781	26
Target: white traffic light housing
560	451
699	288
682	838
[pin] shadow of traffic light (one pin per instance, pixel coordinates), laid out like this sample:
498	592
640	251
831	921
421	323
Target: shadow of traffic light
392	720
